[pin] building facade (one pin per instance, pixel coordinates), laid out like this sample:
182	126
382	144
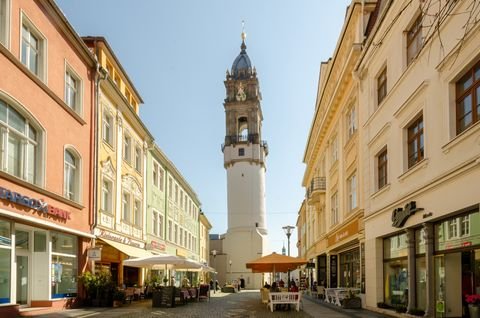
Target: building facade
419	93
244	154
331	231
46	129
121	159
173	213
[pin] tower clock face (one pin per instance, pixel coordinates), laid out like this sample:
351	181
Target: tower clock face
241	96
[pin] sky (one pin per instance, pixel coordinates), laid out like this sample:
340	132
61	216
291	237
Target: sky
177	52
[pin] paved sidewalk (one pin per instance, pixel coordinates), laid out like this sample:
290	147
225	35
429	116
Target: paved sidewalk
239	305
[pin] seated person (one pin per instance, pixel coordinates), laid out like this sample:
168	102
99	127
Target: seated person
274	288
267	285
281	283
293	287
185	282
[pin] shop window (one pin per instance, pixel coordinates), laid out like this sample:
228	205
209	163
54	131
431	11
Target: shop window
468	99
456	232
40	241
395	253
5	261
19	144
350	269
64	265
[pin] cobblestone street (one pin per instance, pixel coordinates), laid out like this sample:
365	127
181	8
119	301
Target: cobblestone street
243	304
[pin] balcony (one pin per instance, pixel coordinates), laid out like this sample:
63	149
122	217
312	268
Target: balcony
316	190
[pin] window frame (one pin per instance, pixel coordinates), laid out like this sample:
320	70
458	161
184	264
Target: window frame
108	139
382	81
352	191
382	168
109	209
461	95
126	202
5	7
42	68
77	190
351	118
78	100
334	218
334	150
416	39
127	148
138	158
416	137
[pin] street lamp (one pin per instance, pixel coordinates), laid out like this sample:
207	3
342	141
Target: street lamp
288	229
214	253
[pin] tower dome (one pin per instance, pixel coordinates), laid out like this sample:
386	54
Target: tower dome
242	67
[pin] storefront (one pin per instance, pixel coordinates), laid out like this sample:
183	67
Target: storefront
434	264
40	256
116	248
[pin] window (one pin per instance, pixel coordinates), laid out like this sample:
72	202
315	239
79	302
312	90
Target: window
334	149
4	21
107	128
64	265
468	99
162	178
181	198
137	213
73	91
414	39
5	261
175	234
352	192
415	142
382	161
138	159
155	223
351	122
19	145
127	150
241	152
72	176
181	237
107	195
458	227
170	187
170	230
465	225
381	86
155	174
334	204
176	193
126	206
32	50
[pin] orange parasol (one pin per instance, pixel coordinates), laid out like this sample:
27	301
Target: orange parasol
275	263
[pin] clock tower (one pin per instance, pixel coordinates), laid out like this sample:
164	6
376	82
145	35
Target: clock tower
244	154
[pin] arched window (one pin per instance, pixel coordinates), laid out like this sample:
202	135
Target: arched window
19	144
242	127
72	175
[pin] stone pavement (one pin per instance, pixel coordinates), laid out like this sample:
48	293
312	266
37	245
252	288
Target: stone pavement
239	305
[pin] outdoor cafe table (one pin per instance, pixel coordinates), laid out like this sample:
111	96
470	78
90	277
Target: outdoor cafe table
332	295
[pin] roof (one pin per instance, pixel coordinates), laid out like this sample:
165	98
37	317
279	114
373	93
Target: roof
242	66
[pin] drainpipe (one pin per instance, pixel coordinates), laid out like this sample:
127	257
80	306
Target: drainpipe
100	75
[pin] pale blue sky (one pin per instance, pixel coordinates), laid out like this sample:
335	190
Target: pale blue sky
177	53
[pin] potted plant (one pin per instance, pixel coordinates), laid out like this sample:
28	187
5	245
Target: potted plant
473	302
119	297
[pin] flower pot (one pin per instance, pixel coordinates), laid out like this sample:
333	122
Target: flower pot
474	311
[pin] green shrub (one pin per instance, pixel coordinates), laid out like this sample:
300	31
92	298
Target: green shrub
384	305
400	309
417	312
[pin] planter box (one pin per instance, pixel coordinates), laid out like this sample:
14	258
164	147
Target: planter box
352	303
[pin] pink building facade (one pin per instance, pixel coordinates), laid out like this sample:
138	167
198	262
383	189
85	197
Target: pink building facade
46	157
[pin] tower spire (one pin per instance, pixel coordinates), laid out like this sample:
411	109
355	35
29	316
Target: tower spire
244	36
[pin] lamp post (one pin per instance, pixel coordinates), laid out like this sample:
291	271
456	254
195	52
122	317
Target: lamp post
214	253
288	229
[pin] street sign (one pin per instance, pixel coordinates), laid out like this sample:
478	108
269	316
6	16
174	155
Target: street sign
94	253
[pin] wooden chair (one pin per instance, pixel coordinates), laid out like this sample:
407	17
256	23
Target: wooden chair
264	292
321	292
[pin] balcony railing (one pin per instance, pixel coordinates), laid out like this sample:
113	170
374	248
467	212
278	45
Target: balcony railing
316	190
250	138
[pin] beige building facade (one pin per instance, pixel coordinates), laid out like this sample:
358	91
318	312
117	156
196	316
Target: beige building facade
419	97
331	218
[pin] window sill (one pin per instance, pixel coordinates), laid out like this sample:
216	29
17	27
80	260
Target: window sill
106	143
377	193
40	190
472	130
419	165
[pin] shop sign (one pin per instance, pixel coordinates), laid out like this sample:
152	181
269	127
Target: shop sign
181	253
157	246
35	204
94	253
401	215
119	238
343	233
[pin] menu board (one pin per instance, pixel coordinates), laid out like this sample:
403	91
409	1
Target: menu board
333	271
165	296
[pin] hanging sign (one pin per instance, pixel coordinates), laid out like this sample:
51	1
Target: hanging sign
94	253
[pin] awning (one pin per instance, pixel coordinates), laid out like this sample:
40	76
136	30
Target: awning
127	249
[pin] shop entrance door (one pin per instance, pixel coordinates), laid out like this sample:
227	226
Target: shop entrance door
22	280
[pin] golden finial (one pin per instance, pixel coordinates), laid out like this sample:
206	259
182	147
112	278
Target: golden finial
244	35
